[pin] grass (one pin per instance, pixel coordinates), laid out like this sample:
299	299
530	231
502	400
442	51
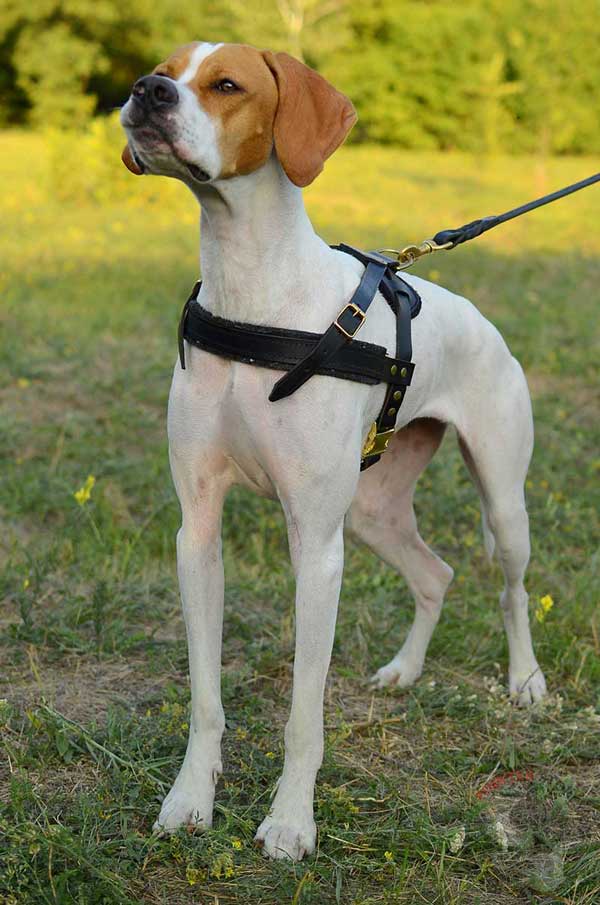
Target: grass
95	267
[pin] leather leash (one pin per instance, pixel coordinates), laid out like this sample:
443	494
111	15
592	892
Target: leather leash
450	238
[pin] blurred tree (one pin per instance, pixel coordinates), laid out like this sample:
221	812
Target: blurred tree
311	30
411	69
492	121
55	66
553	49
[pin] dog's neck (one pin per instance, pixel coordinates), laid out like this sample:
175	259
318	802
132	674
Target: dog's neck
258	246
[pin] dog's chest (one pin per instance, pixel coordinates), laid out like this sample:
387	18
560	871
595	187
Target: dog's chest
219	410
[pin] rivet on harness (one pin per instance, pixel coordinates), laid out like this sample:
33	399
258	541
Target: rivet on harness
335	353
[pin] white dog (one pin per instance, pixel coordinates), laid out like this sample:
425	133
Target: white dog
245	129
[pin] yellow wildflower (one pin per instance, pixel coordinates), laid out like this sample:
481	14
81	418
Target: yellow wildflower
545	605
22	382
84	493
222	866
236	843
193	875
388	856
25	584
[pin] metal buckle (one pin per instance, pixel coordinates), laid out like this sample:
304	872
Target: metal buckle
357	312
376	444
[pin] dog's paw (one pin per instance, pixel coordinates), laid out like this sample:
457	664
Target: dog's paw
400	672
527	686
189	803
291	839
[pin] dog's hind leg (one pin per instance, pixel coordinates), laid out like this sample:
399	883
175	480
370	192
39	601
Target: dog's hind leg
382	516
496	442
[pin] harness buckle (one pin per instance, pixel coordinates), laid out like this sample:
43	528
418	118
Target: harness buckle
355	312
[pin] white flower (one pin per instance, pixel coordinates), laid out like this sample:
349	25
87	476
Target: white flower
501	835
457	840
591	714
493	686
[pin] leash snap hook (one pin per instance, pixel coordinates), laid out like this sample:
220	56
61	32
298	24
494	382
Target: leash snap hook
407	256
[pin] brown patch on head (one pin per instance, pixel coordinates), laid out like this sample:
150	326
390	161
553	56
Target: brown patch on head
244	117
276	100
176	64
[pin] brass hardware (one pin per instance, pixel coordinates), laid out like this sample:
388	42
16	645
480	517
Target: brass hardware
398	395
391	411
357	312
407	256
376	444
368	444
394	370
403	372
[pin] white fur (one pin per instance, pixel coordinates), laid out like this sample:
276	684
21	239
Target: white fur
263	263
198	56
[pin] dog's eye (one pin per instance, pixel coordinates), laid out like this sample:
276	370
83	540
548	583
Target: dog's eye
227	86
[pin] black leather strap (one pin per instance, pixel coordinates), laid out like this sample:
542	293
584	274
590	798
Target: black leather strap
282	350
182	327
338	335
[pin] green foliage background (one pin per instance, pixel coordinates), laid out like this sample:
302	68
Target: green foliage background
480	75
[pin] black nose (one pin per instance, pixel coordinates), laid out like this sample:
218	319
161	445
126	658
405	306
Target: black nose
155	92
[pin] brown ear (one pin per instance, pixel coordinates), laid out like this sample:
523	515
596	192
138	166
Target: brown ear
312	118
127	158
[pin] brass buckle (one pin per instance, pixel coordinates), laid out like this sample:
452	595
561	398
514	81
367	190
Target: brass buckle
376	444
357	312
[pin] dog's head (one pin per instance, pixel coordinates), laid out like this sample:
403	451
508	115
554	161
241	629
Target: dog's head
214	111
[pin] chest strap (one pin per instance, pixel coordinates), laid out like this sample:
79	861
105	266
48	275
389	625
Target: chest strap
334	353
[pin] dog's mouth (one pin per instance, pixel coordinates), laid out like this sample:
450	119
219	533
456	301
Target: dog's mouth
197	172
149	134
138	161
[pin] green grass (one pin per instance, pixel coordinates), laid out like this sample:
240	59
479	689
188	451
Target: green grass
92	643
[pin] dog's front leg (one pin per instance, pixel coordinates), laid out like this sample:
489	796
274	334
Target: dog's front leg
200	570
317	550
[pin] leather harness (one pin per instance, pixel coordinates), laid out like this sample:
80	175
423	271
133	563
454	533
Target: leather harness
334	353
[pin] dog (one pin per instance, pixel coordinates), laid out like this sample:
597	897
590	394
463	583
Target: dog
245	130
